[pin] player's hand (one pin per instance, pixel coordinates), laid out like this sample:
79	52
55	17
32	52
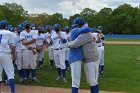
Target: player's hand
34	51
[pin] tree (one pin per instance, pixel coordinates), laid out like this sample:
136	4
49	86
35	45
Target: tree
88	14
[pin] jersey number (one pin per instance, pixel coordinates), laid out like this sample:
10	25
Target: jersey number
0	37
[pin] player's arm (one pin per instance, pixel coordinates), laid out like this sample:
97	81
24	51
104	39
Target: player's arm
63	39
81	40
12	45
25	42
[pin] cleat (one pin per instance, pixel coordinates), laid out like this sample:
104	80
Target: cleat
64	79
6	82
58	78
41	66
21	80
35	80
25	81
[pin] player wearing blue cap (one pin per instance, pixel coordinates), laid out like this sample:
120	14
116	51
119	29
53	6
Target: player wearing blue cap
28	38
81	51
67	49
59	40
49	41
40	41
6	45
19	53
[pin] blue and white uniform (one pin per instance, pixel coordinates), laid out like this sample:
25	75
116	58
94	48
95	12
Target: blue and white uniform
6	39
40	44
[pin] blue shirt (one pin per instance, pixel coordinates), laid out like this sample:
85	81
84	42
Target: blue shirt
76	54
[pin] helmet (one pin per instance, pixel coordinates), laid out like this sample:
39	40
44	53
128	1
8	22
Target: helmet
79	21
56	26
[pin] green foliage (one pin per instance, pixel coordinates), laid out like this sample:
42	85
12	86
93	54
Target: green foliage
125	19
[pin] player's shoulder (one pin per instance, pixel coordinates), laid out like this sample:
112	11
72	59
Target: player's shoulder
64	33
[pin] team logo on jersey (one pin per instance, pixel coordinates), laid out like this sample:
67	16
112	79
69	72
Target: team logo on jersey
28	36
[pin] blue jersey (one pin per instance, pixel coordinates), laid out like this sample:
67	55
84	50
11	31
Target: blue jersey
77	53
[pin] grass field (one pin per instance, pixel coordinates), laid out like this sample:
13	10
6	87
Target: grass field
122	71
122	39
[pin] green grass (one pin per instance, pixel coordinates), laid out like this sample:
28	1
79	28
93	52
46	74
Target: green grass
122	39
122	71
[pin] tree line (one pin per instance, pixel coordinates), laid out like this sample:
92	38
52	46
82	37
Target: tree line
125	19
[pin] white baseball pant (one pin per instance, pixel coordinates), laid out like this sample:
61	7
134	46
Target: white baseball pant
19	60
51	53
59	58
29	59
101	55
7	65
91	71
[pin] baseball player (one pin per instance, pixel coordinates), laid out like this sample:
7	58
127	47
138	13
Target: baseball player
67	49
11	29
79	53
33	27
59	40
100	45
48	39
6	45
40	41
28	38
19	53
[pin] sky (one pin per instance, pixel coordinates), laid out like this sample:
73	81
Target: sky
68	7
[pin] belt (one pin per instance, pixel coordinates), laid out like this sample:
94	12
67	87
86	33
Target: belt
99	46
58	49
30	48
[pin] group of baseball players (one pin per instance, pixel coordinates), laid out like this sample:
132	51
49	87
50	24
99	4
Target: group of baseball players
25	45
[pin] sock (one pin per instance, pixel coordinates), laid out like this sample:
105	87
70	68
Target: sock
20	73
63	73
94	89
51	62
12	85
74	90
67	63
40	63
28	73
5	76
33	73
59	72
102	68
25	73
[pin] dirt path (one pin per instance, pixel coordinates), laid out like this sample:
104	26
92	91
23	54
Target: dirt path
38	89
123	42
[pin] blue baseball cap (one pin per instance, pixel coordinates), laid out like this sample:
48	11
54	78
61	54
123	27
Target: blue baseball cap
56	26
48	27
26	22
3	23
79	21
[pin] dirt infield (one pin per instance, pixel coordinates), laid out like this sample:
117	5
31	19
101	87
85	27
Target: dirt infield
122	42
38	89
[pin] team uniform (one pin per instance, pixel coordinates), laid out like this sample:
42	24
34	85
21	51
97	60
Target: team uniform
59	53
19	56
67	49
100	47
40	44
82	48
51	55
29	58
6	39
